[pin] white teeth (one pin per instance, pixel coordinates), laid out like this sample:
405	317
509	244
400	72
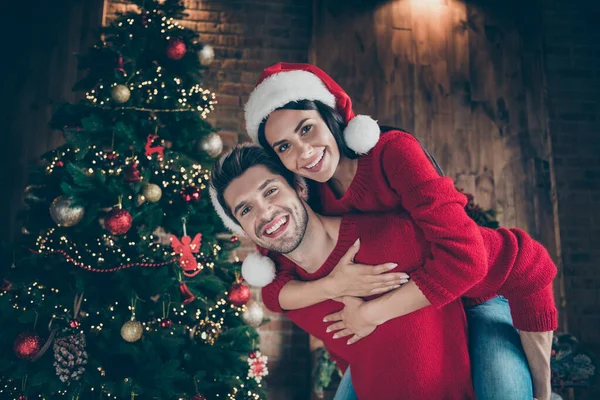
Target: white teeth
316	162
276	226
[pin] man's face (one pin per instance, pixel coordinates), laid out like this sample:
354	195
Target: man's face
268	209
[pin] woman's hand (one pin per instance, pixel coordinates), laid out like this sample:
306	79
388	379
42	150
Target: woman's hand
352	320
359	280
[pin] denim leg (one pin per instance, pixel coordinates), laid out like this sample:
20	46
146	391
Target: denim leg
345	390
499	366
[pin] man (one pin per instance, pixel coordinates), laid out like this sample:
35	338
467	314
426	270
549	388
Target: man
422	355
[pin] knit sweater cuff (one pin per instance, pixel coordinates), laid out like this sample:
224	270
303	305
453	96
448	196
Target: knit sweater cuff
535	313
437	295
270	293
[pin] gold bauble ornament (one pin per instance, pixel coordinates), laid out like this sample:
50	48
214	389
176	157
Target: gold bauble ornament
152	192
120	94
207	331
212	145
64	213
254	314
132	331
206	55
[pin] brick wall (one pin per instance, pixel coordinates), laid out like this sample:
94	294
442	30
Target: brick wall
572	56
247	37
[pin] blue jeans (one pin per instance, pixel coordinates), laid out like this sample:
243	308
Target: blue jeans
498	364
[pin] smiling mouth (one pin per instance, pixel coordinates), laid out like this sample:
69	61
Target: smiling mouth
277	226
316	163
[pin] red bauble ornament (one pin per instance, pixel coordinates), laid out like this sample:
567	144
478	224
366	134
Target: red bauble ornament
59	164
166	323
118	221
197	397
190	193
74	324
27	345
186	294
112	156
176	49
235	239
132	173
239	294
22	397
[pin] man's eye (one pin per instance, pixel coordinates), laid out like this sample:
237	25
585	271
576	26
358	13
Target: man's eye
283	147
245	211
306	129
271	191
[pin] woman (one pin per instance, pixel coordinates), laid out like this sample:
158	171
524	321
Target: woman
302	116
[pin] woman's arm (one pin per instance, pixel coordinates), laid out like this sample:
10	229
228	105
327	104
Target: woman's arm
458	256
348	278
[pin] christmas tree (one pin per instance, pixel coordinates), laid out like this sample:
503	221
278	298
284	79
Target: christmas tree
122	286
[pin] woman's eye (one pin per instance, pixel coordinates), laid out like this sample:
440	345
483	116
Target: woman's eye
283	147
306	129
245	211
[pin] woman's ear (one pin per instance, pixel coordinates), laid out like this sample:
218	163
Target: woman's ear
301	187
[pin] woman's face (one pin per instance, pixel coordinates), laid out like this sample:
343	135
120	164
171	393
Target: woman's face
303	142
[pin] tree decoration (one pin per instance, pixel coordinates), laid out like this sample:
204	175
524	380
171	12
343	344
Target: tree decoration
131	331
239	293
65	213
27	345
185	249
132	173
118	221
176	49
197	397
6	285
186	294
70	357
166	323
190	194
207	331
120	94
206	55
253	314
212	145
151	149
152	192
257	366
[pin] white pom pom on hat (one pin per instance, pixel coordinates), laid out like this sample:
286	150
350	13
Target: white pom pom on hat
258	270
286	82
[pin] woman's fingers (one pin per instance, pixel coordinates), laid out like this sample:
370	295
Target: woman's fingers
384	289
345	332
380	269
334	317
336	327
354	339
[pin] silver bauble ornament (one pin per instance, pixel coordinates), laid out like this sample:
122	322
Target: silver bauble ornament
212	145
132	331
254	314
120	94
206	55
64	213
152	192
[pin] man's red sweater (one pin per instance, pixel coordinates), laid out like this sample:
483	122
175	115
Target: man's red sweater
397	176
420	356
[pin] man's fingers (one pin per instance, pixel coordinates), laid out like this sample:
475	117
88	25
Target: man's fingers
333	317
354	339
343	333
336	327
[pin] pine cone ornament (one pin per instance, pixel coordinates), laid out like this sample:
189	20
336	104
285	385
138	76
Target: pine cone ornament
70	357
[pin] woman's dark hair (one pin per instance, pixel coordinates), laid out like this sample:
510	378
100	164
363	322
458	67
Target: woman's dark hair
233	165
334	121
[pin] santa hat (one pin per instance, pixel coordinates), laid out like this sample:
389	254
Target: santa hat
283	83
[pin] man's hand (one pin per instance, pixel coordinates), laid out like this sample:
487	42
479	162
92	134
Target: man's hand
352	320
351	279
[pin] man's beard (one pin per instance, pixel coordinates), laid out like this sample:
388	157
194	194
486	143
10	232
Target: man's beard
291	240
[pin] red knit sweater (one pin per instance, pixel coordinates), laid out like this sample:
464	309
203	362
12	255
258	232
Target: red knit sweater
397	175
421	356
